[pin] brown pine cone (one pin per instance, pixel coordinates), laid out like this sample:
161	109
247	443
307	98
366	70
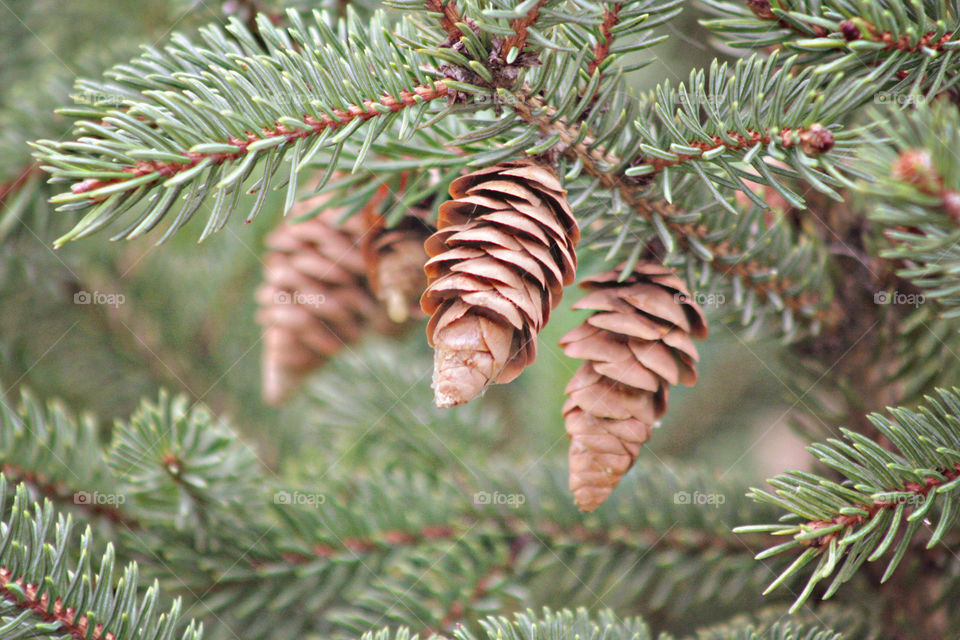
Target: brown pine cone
315	297
395	259
635	345
503	253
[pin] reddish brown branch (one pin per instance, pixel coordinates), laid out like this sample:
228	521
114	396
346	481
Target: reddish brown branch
9	188
458	609
813	140
66	617
348	547
520	26
63	494
602	49
549	533
902	43
919	491
850	31
366	111
449	17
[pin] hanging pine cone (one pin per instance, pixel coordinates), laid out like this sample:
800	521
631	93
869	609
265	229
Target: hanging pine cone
315	296
635	345
395	258
503	253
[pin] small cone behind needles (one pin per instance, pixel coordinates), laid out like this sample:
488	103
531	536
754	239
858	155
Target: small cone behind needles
504	250
395	259
635	345
314	298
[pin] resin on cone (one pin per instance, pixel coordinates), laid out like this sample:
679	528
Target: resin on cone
504	250
315	297
635	345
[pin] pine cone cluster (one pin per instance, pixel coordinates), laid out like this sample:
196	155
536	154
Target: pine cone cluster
504	250
316	296
635	345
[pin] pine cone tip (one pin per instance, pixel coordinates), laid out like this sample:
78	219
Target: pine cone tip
464	362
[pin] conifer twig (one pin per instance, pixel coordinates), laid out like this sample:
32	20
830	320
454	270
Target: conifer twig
58	492
448	17
520	26
602	49
847	521
163	169
66	619
532	110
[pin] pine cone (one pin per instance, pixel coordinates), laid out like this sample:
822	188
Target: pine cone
395	259
635	345
503	253
315	296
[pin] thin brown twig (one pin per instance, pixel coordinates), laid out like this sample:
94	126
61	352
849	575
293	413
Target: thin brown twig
448	18
918	489
12	186
58	492
65	617
602	49
520	26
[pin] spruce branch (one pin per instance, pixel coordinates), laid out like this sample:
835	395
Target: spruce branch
885	493
161	169
601	50
11	186
45	593
697	237
199	128
919	40
566	623
169	461
64	494
915	199
38	447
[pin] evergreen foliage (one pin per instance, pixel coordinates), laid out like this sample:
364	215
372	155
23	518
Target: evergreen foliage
803	184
